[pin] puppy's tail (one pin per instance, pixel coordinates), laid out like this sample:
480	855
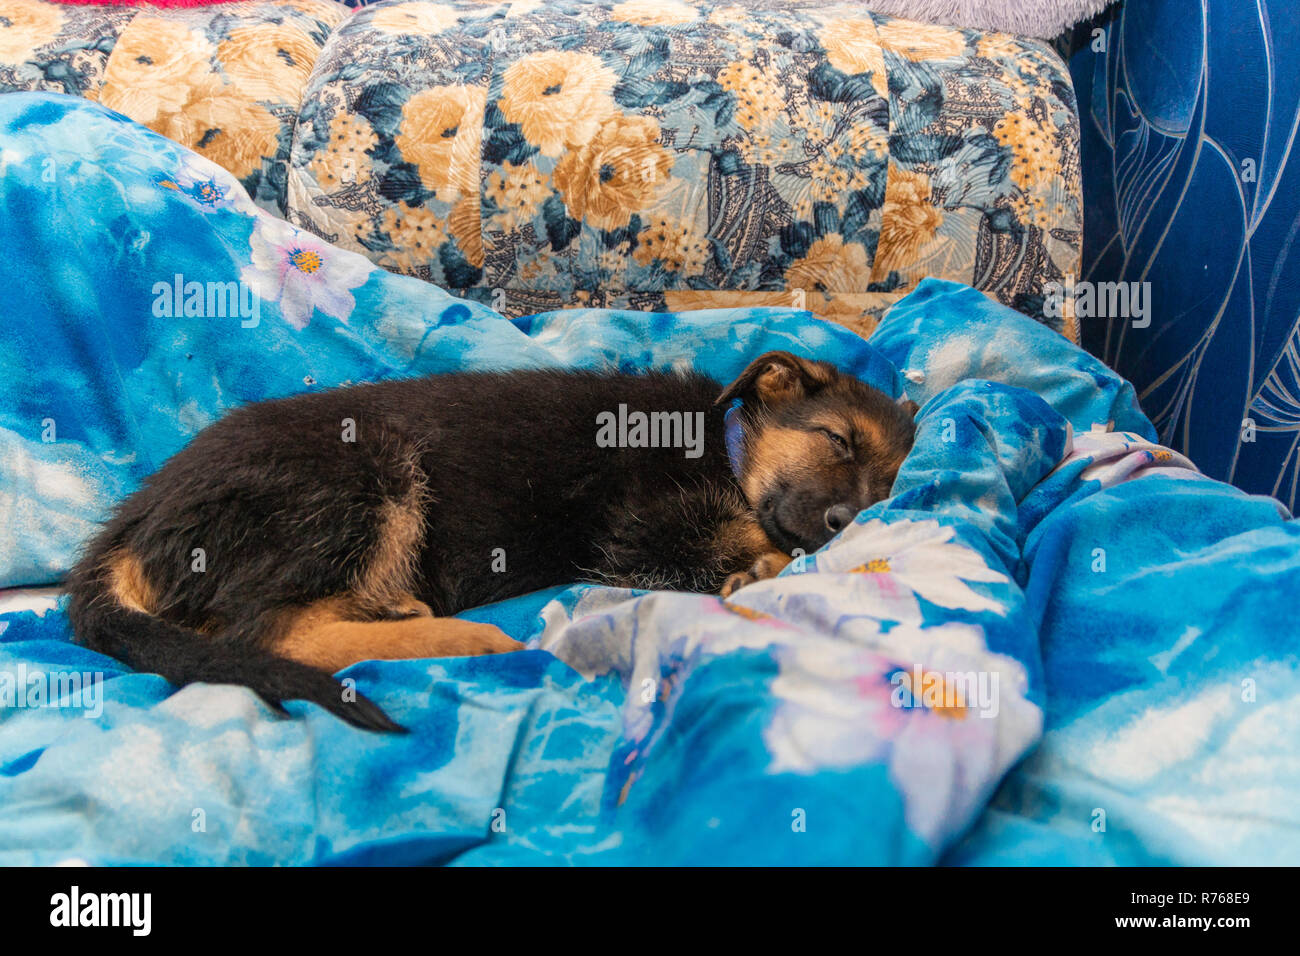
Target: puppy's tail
183	656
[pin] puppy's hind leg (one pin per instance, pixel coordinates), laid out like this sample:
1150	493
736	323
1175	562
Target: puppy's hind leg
378	617
334	634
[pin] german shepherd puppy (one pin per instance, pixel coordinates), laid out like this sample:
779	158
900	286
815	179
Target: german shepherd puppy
296	537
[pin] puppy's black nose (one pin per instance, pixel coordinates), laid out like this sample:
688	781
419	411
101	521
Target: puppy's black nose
839	516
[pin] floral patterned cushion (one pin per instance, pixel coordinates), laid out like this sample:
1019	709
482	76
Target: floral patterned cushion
650	154
224	80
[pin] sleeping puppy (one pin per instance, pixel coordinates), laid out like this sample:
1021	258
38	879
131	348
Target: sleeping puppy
296	537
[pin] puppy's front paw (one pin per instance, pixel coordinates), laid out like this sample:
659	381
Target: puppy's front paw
766	566
769	565
735	582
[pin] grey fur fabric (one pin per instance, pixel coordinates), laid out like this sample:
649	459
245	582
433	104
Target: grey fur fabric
1035	18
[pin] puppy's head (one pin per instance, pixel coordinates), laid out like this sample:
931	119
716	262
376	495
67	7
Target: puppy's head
817	446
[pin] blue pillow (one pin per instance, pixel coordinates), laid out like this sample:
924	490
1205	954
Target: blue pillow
944	333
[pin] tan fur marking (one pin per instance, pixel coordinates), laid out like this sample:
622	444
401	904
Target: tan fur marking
744	540
769	565
778	383
327	635
766	565
743	535
388	572
128	584
775	451
872	429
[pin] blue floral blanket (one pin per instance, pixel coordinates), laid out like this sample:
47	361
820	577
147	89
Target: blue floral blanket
1056	642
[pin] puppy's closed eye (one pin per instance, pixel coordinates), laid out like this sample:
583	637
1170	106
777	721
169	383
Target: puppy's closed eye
839	442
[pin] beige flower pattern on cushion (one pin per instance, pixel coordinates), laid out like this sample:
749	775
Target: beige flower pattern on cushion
558	98
615	174
25	27
441	134
224	81
631	153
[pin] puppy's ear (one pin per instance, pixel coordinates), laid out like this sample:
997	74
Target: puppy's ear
779	377
908	406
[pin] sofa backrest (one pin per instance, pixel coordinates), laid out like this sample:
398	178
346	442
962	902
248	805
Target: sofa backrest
1193	198
650	154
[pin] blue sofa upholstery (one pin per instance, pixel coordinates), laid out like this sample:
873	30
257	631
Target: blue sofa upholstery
1189	113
